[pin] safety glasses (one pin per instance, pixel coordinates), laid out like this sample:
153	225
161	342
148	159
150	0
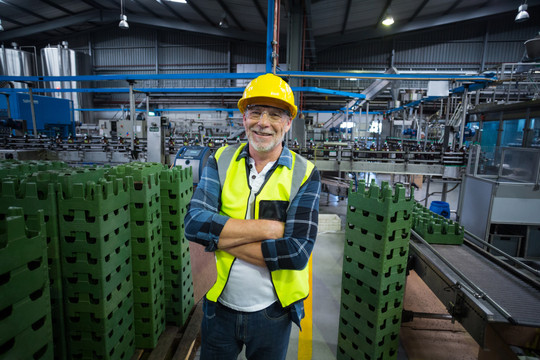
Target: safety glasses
256	112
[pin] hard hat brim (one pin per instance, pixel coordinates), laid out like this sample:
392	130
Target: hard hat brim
263	100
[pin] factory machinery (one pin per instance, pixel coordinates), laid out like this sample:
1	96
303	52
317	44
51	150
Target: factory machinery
347	156
393	157
494	296
334	157
96	149
490	280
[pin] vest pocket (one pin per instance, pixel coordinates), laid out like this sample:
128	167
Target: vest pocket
273	210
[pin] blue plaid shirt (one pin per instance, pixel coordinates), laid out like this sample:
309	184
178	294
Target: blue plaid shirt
203	223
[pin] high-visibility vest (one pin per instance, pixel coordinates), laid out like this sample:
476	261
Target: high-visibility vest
282	186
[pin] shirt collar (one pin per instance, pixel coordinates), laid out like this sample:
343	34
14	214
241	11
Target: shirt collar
285	158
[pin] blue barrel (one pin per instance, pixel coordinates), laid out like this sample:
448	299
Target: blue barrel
440	207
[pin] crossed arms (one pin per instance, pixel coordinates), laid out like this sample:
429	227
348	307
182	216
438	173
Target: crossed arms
243	238
269	243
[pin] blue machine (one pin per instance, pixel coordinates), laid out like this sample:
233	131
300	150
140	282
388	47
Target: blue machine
409	132
194	156
53	115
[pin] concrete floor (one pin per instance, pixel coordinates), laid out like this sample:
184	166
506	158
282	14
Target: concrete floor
421	339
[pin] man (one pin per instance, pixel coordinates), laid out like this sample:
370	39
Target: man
257	208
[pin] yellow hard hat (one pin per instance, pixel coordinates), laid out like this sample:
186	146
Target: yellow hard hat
271	89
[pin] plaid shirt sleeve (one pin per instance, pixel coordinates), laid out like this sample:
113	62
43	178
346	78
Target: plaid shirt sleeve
293	250
203	223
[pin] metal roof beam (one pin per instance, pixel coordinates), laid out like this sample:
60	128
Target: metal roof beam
110	16
486	3
24	10
145	8
424	3
452	7
260	11
200	12
65	21
231	15
209	30
171	9
61	8
94	4
39	16
346	17
13	22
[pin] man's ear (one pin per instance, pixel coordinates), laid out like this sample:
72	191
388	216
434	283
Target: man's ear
288	124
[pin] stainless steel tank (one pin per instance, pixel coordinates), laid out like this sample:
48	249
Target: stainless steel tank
61	61
15	62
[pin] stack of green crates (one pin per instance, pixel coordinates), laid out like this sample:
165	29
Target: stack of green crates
25	310
374	271
96	267
436	229
20	188
116	254
33	196
176	192
147	249
19	169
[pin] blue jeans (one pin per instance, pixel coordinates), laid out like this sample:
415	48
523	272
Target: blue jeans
225	331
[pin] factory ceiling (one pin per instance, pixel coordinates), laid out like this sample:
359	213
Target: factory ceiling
328	22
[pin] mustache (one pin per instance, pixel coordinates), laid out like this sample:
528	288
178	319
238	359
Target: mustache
259	131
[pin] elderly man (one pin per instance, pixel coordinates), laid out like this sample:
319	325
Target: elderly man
256	207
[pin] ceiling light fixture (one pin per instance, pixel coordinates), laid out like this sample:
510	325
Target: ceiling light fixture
388	18
123	24
522	14
178	1
224	23
1	27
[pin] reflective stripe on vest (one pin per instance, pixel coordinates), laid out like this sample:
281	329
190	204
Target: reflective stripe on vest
283	184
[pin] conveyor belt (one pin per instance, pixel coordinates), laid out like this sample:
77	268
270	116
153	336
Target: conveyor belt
475	289
519	299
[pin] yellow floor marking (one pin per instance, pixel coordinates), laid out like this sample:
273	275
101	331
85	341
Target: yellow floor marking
305	339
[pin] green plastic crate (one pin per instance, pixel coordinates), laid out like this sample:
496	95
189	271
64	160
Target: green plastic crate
358	289
377	243
89	322
354	347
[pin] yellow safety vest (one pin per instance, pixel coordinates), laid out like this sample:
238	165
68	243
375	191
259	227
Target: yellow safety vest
283	185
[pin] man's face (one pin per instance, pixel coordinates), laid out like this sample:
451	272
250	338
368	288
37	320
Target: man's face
266	126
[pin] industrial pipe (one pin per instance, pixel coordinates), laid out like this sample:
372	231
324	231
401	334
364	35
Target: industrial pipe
269	36
367	120
464	109
132	114
32	109
275	40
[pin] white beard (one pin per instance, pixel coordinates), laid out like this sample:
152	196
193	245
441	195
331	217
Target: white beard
265	146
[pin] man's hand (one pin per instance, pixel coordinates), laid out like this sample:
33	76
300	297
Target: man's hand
239	232
251	253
